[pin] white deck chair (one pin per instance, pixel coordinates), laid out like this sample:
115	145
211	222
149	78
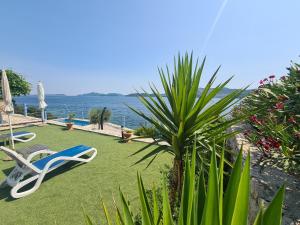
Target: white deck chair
18	136
38	169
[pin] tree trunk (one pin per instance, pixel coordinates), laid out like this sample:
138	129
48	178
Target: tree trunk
176	182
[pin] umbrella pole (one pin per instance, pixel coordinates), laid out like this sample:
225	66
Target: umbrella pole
43	115
11	132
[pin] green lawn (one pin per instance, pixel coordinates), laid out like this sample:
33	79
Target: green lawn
60	198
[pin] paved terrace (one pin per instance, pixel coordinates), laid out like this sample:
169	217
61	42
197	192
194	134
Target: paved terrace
109	129
19	120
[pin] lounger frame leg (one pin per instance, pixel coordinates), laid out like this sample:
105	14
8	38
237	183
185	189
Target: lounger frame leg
16	175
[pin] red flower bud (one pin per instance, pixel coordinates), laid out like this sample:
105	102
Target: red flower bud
292	120
279	105
283	78
272	76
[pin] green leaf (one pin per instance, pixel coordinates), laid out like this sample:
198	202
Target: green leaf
108	220
221	175
126	212
211	208
167	215
232	190
147	217
155	206
240	214
273	213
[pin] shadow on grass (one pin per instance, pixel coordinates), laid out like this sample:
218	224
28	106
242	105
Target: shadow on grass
122	141
5	192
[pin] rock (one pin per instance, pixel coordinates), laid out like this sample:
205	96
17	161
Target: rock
265	182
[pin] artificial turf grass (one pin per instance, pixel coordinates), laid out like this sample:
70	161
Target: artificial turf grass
60	199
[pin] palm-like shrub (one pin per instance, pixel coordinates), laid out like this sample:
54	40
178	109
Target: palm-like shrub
99	116
202	203
182	114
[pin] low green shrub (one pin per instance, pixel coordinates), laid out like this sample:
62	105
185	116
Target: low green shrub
71	116
33	111
205	203
146	131
96	117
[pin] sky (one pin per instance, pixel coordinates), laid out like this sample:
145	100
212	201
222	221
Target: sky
77	46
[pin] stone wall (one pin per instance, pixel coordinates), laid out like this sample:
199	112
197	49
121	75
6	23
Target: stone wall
265	181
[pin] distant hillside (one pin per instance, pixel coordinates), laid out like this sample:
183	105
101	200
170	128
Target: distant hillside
222	94
136	94
46	95
100	94
55	95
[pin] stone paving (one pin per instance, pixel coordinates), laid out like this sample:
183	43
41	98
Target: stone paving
18	120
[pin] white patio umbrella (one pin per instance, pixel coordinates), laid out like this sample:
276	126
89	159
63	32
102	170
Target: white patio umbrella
41	97
8	105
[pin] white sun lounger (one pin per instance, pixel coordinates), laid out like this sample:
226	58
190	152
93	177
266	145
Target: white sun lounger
18	136
38	169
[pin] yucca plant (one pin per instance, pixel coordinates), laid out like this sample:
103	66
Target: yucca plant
202	203
182	113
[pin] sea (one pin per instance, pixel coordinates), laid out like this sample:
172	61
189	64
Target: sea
61	106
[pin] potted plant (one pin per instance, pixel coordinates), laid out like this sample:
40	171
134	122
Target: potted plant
69	122
127	133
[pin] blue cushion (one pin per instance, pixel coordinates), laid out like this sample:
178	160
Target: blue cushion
40	164
21	133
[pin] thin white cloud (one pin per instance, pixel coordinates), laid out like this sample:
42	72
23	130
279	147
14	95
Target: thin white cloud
213	26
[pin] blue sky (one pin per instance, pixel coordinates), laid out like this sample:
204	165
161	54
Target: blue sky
116	46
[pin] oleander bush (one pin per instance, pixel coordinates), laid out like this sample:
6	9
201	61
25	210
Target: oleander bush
275	123
205	203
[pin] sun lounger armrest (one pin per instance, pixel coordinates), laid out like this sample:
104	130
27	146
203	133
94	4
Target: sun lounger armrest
33	135
32	155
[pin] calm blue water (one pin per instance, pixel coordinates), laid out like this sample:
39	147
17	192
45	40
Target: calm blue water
61	106
76	122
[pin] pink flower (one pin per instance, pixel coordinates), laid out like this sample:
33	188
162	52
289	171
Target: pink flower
272	76
292	120
261	82
283	78
255	120
273	142
279	105
266	79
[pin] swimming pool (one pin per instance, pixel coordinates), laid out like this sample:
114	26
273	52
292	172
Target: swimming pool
75	122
